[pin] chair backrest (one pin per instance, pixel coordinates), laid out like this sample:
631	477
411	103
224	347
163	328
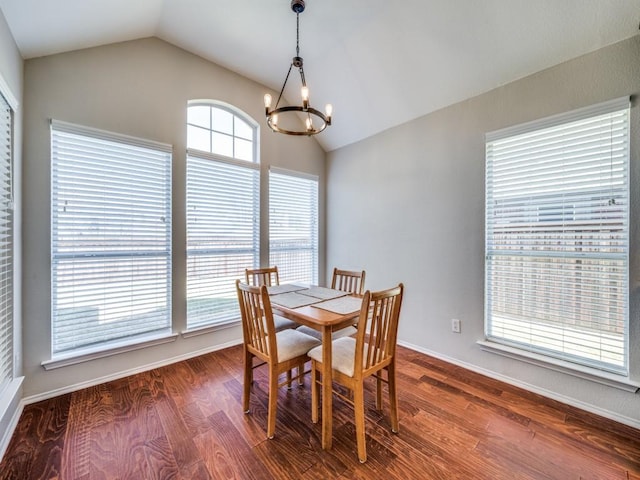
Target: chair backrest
348	281
377	329
262	276
257	321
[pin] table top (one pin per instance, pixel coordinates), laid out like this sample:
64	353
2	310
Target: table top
317	318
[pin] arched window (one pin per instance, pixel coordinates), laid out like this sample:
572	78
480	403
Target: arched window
220	129
223	210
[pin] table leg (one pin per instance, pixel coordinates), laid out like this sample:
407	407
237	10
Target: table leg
327	394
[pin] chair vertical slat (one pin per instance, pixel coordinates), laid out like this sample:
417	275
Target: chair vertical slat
348	281
262	276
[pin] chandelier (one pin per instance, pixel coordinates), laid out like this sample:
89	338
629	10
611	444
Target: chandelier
277	119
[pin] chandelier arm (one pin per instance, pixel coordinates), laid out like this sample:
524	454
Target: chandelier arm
304	81
283	85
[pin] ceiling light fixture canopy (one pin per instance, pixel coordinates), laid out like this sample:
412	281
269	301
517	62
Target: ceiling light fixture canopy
306	109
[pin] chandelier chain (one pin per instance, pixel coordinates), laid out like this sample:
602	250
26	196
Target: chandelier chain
297	34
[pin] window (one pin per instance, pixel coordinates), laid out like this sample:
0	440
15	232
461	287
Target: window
557	237
223	211
6	244
293	225
110	239
217	129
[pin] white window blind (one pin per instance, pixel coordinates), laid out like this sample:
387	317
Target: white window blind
293	225
223	235
6	244
223	210
557	237
110	239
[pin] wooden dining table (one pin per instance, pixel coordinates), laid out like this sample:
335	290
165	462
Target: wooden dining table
326	322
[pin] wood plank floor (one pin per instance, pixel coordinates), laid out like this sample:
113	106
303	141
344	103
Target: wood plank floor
185	421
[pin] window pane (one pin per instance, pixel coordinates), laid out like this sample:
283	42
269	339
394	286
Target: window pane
199	115
557	240
222	121
293	227
222	144
229	135
243	149
243	129
198	138
111	239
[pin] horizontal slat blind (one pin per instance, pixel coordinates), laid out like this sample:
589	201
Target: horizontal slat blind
223	235
6	245
293	226
557	237
110	238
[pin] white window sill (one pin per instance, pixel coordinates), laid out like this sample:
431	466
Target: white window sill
193	332
114	349
592	374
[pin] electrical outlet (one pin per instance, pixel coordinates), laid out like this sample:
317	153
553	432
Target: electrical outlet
455	325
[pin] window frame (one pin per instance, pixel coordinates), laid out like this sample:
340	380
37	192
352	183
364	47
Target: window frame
223	165
9	383
597	371
236	114
140	339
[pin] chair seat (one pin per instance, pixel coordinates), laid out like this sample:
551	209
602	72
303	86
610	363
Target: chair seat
342	355
344	332
292	344
281	323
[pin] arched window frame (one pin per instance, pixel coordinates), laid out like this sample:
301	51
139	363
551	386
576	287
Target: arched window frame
236	115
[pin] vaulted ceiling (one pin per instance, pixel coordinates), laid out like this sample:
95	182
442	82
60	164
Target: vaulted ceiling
379	62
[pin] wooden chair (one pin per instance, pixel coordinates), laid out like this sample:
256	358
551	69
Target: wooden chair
369	354
262	276
280	351
348	281
268	276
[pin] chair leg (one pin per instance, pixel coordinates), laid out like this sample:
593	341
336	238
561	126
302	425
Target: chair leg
301	374
314	392
379	391
393	398
248	378
289	376
273	402
358	407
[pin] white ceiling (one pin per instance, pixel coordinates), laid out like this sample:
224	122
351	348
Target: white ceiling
379	62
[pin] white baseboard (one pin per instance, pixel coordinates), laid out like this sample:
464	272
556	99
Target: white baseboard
4	441
532	388
125	373
10	401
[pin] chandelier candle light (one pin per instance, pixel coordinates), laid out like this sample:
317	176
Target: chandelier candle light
306	109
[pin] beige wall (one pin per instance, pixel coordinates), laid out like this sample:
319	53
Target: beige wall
408	205
139	88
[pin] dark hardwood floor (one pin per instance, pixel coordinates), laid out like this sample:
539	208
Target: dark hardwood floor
185	421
